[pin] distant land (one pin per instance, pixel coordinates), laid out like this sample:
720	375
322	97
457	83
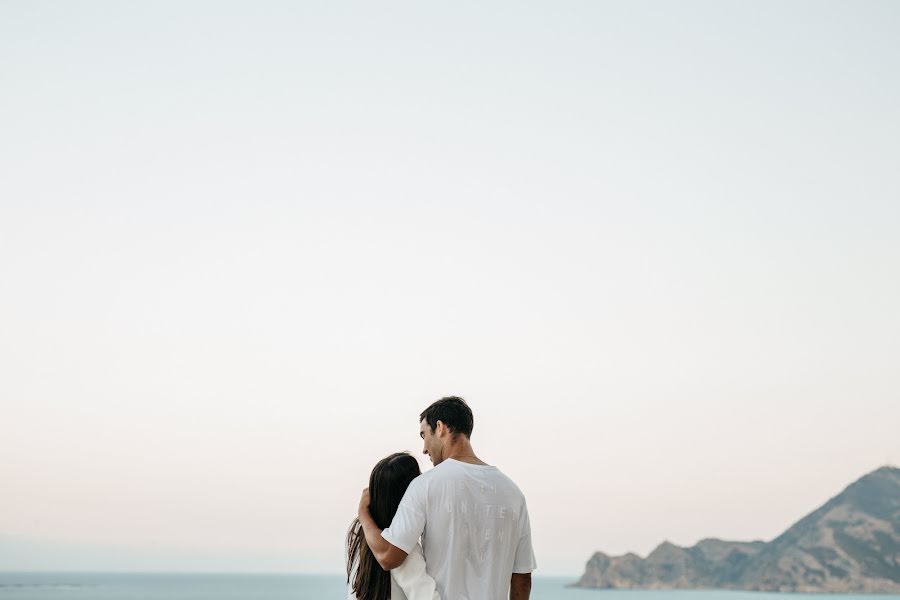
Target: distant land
851	544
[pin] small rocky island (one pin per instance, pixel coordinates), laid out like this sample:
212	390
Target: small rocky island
851	544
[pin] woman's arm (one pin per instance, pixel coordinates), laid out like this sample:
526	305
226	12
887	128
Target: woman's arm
412	578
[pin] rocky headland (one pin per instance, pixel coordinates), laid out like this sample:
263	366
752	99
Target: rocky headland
851	544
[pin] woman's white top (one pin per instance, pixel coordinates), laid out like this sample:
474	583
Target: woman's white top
409	581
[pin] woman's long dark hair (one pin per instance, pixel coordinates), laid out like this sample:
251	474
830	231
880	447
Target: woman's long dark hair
387	484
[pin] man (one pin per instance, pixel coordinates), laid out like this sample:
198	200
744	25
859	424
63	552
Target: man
472	518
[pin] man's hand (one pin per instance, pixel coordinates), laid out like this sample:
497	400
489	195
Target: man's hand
388	555
520	586
364	502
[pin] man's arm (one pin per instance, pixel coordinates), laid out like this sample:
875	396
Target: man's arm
520	586
388	555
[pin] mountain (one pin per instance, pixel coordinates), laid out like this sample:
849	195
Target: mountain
850	544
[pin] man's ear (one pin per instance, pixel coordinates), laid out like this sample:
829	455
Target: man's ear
439	428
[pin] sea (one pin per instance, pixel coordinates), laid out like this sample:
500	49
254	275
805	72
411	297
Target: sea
119	586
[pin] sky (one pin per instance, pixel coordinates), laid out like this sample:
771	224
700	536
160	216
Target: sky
243	245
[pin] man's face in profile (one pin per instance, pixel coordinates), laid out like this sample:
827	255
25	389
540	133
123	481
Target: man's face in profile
432	445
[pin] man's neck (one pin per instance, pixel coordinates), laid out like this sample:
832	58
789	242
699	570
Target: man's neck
462	451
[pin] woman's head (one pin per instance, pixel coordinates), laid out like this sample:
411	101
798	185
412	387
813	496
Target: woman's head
387	484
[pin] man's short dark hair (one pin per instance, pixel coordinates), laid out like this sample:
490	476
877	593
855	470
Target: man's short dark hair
453	412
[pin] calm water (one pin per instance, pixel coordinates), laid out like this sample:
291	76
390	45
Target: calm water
84	586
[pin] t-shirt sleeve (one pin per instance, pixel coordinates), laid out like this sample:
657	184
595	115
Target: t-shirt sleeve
409	522
524	561
412	578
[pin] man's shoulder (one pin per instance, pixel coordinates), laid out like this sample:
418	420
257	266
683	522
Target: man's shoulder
510	485
433	474
423	481
488	474
436	475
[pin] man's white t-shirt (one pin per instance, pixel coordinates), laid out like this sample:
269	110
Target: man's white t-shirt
474	527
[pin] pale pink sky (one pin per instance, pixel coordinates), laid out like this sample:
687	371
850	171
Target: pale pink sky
655	247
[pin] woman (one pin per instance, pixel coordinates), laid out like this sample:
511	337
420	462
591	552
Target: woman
366	580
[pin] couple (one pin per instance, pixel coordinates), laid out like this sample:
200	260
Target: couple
471	518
